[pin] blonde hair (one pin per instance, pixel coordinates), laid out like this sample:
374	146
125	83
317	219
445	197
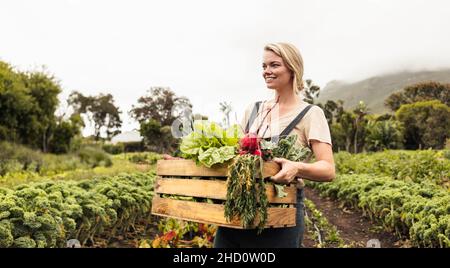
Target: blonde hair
294	61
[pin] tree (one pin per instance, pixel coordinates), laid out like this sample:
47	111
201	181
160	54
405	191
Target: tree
427	124
157	138
63	133
386	134
15	104
44	91
332	110
419	92
360	126
100	110
341	122
347	123
349	130
28	101
338	137
162	105
311	91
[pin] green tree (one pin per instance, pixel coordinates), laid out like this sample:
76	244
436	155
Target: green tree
44	90
419	92
311	91
360	126
347	127
332	110
386	134
162	105
427	124
15	104
338	137
63	133
349	130
157	138
28	101
100	110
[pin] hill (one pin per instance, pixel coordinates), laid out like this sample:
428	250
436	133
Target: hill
373	91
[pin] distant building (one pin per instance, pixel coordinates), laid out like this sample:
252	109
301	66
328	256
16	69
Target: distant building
127	137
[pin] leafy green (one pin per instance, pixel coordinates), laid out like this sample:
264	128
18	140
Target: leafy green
280	190
287	149
210	144
49	213
217	155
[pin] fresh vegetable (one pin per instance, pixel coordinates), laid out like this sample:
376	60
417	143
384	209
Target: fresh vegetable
420	212
47	214
209	144
246	195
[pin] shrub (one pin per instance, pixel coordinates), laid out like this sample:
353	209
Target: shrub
94	157
114	148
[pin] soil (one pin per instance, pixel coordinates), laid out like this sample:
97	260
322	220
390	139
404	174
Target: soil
354	228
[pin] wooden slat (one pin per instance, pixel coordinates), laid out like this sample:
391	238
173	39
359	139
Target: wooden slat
187	167
215	189
214	214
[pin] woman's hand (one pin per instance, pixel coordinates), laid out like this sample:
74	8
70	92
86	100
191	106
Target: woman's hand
288	172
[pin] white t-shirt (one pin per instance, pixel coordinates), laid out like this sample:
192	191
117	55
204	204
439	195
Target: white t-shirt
313	126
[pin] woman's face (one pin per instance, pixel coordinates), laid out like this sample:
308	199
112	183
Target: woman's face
275	72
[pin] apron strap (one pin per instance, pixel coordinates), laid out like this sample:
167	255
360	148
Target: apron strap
252	117
294	122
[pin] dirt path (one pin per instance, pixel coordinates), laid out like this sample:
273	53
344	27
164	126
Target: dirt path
130	239
353	227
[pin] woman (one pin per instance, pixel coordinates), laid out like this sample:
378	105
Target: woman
283	72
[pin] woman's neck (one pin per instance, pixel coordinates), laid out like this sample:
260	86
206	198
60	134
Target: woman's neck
287	97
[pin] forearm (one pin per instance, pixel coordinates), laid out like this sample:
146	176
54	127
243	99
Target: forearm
318	171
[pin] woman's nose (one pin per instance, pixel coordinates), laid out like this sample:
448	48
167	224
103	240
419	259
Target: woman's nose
267	70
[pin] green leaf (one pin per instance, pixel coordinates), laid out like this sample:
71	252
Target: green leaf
280	190
209	143
216	155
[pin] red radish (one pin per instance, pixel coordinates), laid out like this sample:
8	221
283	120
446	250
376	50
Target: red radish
250	144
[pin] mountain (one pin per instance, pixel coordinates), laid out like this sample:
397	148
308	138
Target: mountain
373	91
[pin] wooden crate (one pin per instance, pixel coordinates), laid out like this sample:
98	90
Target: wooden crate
173	178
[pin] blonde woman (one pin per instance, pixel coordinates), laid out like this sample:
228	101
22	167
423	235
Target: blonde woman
287	113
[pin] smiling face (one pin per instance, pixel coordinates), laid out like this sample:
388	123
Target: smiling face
275	72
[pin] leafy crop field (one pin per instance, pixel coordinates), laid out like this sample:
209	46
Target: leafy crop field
47	214
404	193
407	192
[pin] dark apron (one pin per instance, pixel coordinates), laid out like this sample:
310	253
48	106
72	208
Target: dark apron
288	237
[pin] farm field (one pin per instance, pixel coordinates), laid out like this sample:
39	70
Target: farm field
394	202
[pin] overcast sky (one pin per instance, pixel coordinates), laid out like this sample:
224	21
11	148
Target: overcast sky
211	51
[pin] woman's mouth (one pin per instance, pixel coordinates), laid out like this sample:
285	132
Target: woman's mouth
270	79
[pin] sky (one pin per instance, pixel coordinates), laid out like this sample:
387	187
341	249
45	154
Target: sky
211	51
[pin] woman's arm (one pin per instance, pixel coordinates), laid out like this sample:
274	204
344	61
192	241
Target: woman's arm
321	170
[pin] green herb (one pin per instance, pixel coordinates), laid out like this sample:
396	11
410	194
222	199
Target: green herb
246	195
